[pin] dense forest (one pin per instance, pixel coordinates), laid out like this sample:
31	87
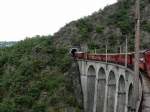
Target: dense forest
34	73
32	77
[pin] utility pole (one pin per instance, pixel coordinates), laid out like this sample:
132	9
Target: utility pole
137	55
106	49
126	52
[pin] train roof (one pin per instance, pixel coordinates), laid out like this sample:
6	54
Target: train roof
111	53
130	53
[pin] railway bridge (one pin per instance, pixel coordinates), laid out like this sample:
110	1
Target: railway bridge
109	84
108	87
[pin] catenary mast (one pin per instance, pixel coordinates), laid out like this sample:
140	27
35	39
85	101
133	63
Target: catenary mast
137	54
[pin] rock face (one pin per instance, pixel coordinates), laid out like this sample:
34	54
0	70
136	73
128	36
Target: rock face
75	83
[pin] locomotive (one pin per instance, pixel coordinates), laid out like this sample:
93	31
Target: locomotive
117	58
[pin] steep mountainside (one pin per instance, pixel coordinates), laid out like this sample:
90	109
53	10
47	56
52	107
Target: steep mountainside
35	74
33	78
110	26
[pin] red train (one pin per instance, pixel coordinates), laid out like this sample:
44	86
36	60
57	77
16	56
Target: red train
144	60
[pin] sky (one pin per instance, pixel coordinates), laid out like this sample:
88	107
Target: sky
26	18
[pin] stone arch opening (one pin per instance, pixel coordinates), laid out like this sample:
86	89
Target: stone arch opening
111	92
121	95
91	76
130	98
101	86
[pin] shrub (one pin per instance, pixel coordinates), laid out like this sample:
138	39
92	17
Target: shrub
146	26
40	107
99	29
24	101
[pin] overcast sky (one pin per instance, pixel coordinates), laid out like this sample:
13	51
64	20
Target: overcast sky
26	18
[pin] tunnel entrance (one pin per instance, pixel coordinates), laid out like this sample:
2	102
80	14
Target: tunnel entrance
91	76
111	92
121	95
101	90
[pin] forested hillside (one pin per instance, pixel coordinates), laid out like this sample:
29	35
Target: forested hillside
109	26
34	73
32	77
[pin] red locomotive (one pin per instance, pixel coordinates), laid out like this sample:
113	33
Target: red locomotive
144	61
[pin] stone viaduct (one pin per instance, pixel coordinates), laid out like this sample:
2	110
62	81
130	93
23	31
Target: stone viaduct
108	87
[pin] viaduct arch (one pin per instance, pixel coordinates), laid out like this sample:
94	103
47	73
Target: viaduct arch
91	77
101	88
107	87
121	95
111	92
130	95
